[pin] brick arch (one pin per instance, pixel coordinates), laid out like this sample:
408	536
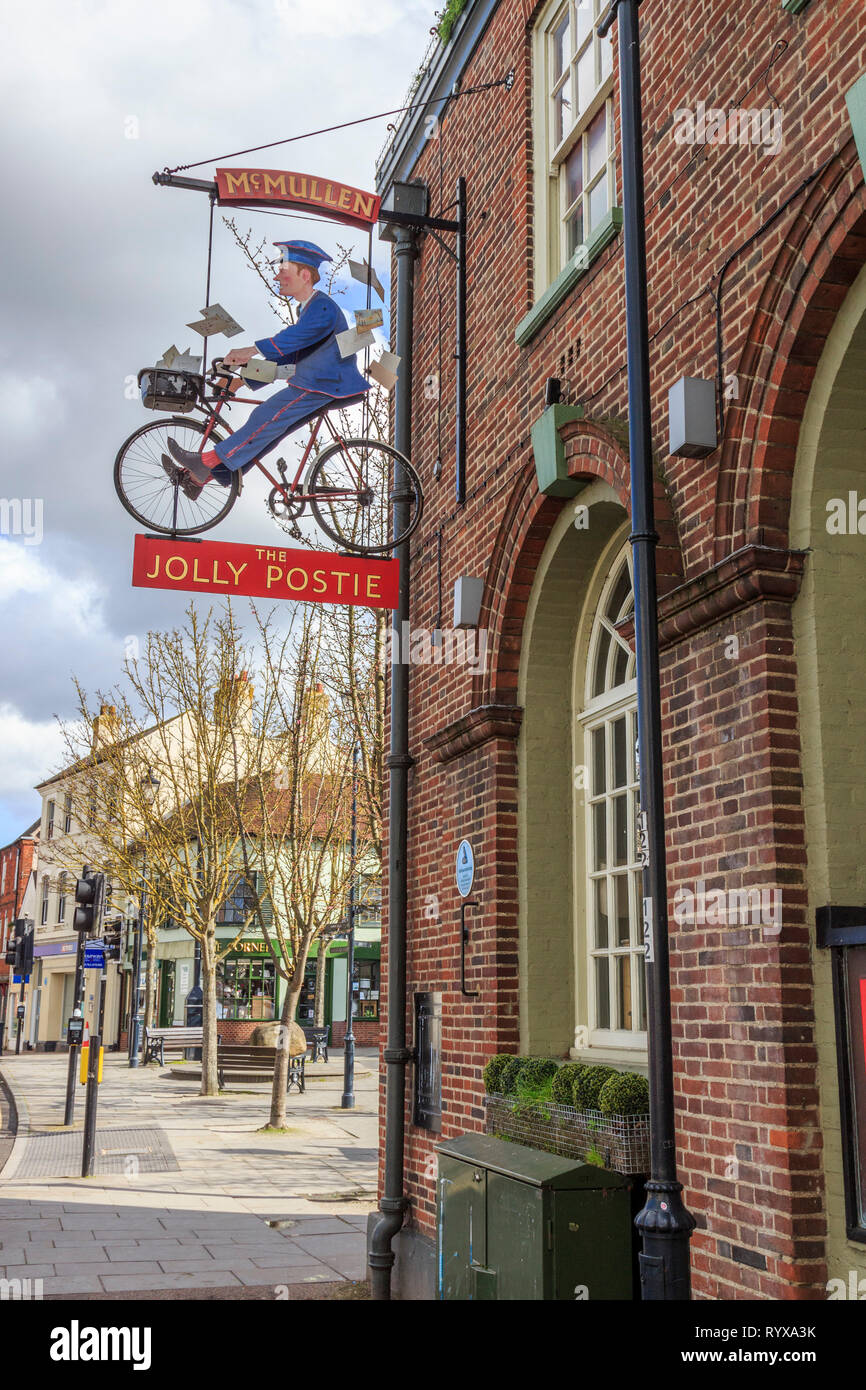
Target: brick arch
820	258
591	452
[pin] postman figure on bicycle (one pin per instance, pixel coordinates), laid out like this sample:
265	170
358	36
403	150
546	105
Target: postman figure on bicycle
321	376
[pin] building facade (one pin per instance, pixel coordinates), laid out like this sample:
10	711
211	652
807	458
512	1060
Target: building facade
754	151
17	895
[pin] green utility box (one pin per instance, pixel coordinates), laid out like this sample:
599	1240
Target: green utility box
515	1223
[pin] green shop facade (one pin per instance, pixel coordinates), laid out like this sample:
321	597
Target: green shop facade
250	990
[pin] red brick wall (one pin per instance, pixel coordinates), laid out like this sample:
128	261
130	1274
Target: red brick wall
743	1025
236	1030
13	895
366	1033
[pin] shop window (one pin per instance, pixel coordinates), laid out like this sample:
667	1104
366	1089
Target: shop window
614	947
245	988
306	1011
365	989
843	929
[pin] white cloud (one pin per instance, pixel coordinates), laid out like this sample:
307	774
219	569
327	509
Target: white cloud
68	606
23	404
330	19
30	750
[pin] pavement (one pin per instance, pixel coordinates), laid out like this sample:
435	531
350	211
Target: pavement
185	1186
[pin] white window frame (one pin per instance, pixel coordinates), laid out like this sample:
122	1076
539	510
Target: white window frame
552	210
46	898
61	897
49	819
67	814
598	711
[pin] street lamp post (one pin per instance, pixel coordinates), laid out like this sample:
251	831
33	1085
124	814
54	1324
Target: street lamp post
149	789
664	1223
348	1101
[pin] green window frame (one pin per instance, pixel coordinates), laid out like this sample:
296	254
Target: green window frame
246	988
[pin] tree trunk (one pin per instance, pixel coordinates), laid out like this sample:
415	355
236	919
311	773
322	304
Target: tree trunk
209	1078
149	987
281	1064
319	1003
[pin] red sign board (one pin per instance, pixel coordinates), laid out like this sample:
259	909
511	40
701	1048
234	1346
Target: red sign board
306	192
263	571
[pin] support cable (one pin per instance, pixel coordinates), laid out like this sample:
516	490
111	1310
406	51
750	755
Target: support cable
507	82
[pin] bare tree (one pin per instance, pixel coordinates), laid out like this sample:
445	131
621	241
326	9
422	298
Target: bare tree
298	855
173	751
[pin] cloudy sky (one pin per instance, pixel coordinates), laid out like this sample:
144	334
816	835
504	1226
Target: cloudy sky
103	270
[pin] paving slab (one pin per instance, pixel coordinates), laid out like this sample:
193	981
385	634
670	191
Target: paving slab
198	1219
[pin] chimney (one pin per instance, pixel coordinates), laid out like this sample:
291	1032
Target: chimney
105	725
233	701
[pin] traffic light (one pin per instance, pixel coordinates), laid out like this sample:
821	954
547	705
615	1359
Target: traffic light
88	893
24	932
19	947
112	937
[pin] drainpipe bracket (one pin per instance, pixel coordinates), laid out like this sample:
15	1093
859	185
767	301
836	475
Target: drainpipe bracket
399	1056
400	760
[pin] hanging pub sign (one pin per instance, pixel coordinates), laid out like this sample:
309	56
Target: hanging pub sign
264	571
304	192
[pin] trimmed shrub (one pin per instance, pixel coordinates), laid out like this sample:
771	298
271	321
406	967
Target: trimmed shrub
535	1073
562	1089
588	1085
508	1075
492	1073
625	1093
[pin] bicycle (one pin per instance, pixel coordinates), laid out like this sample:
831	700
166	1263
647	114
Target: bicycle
351	485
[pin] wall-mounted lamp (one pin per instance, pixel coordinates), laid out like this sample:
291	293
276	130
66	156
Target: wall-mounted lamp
467	601
692	417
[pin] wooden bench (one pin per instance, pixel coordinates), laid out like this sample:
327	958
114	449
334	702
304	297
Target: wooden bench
157	1039
317	1038
240	1059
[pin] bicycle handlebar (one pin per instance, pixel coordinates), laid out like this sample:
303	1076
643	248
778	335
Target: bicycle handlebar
218	368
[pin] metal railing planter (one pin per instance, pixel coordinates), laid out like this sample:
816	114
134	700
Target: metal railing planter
619	1143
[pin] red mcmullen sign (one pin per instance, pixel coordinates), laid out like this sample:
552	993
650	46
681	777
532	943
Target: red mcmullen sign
260	571
306	192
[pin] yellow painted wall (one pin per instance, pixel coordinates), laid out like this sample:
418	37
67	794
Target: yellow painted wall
830	634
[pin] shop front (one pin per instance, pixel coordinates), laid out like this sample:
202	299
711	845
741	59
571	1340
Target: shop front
250	991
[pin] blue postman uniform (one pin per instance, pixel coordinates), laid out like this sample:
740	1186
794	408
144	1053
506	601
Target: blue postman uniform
322	377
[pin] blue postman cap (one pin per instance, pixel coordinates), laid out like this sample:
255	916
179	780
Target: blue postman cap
303	252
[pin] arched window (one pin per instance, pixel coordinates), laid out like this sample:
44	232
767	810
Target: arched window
614	948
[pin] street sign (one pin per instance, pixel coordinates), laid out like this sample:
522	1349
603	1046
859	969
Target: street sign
264	571
17	979
465	868
94	956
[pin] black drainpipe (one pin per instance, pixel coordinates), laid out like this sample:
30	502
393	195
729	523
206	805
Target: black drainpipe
380	1256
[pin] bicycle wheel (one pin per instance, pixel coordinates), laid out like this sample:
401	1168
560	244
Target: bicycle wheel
149	495
352	486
